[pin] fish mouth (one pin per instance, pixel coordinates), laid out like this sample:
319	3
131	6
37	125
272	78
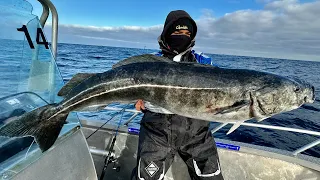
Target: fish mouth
313	94
310	98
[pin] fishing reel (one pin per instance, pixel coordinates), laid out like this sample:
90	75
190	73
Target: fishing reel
110	159
115	164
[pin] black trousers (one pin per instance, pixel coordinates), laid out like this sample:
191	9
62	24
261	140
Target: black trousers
162	136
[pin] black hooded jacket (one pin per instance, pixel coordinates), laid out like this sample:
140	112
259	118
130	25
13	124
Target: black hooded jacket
163	135
171	18
165	123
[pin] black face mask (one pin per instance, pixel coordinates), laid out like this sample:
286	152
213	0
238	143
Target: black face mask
178	42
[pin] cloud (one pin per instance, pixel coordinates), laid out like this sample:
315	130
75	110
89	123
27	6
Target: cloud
283	29
282	4
128	36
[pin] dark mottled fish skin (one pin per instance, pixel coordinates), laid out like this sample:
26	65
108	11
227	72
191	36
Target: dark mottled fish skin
142	58
76	80
192	90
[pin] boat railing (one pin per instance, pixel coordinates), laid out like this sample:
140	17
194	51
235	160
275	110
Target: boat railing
295	152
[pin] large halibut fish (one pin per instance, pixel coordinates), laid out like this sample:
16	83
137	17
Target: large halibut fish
188	89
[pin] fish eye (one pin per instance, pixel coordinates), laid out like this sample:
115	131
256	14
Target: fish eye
297	89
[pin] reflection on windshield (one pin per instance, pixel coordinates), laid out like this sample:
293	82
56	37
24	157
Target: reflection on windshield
29	78
11	108
25	65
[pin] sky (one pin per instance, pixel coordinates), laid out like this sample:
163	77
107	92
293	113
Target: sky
266	28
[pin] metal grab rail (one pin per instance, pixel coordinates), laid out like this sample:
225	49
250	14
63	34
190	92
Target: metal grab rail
45	14
47	4
273	127
296	152
305	147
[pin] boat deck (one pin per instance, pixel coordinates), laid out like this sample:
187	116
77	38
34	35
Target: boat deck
252	162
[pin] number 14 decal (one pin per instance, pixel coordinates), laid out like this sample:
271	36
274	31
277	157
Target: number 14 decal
39	33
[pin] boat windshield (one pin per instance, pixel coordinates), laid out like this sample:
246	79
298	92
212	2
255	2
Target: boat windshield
29	78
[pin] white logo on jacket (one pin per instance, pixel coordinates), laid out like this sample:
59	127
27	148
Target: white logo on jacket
181	27
151	169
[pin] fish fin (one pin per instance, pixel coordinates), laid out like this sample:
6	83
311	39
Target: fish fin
224	110
140	59
74	81
45	137
234	127
254	112
37	125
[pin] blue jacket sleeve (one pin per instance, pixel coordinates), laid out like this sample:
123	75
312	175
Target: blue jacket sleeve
157	53
202	58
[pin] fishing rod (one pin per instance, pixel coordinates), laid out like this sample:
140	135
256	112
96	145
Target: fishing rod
110	158
106	122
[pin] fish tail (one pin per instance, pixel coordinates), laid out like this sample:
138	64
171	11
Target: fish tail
39	124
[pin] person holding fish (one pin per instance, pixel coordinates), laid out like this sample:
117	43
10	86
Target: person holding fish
197	94
164	134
